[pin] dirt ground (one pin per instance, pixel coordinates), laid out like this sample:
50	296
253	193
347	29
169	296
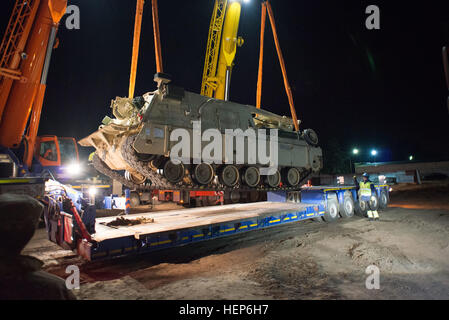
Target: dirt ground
305	260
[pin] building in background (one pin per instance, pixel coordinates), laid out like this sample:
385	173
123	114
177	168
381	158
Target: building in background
406	171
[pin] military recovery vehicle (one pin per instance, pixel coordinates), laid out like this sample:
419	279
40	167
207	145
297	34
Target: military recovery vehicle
134	147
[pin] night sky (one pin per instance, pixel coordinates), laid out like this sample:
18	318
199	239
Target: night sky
380	89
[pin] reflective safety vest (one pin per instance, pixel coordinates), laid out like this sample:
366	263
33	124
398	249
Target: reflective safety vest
365	188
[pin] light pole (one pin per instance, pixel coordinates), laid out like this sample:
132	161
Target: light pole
355	152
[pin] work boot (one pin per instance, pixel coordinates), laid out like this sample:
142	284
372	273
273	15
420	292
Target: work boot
376	215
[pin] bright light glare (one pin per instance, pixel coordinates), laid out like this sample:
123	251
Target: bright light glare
92	191
355	151
374	152
73	169
410	158
246	1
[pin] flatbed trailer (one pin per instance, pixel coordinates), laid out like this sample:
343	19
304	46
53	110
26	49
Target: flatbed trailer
182	227
168	229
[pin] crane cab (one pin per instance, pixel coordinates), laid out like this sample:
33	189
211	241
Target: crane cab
59	155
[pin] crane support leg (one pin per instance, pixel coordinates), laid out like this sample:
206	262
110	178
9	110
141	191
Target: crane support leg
284	70
136	45
260	73
157	37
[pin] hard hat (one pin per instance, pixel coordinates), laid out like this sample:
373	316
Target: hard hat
365	175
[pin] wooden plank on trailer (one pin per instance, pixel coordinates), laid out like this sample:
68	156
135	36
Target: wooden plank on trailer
193	218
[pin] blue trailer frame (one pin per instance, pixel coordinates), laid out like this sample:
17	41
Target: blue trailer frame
150	242
320	194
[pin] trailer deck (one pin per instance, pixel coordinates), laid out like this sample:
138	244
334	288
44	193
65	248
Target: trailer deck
180	227
166	229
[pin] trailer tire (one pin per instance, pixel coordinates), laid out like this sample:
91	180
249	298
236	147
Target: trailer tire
361	209
235	196
134	199
209	201
347	207
373	204
383	200
331	213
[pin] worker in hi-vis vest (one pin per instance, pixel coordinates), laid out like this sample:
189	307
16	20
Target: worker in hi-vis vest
366	191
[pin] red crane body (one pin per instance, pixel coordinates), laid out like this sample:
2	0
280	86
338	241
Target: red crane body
25	56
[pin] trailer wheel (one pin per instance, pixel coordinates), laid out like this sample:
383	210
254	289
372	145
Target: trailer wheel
331	213
347	207
134	198
209	201
374	203
234	196
361	209
383	200
253	196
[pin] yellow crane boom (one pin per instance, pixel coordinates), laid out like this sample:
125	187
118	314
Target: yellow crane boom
213	48
221	49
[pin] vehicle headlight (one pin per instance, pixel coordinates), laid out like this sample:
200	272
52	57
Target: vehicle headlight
73	169
92	191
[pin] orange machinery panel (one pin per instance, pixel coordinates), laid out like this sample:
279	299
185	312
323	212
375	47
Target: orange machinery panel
28	91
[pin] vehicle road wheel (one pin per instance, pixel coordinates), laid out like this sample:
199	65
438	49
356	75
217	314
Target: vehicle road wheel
292	177
383	200
135	199
204	173
157	163
229	175
347	207
361	209
251	177
173	172
274	180
134	178
145	157
311	137
331	213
